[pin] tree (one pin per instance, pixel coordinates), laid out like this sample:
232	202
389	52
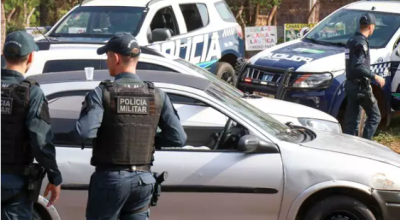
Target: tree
3	25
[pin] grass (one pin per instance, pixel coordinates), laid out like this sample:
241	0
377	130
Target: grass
390	136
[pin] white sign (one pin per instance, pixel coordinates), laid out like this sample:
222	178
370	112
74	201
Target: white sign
34	31
261	37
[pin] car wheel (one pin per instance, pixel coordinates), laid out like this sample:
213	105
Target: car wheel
339	208
226	72
40	213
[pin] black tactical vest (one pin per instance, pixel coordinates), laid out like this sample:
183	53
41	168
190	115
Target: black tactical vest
130	119
15	145
351	56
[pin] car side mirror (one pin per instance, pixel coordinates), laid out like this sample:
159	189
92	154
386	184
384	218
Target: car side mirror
254	144
160	34
48	28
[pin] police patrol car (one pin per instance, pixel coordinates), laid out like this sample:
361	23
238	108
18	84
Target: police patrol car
318	61
203	32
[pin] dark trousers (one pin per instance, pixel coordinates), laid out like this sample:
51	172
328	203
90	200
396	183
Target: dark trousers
352	117
20	209
119	195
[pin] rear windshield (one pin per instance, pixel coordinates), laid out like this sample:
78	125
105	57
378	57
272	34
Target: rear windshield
100	21
225	12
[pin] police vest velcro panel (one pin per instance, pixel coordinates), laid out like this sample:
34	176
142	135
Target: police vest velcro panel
15	146
130	119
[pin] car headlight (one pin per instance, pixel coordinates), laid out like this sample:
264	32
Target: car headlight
321	125
314	80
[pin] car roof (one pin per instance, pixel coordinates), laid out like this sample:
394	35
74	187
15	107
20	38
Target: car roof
379	6
134	3
145	75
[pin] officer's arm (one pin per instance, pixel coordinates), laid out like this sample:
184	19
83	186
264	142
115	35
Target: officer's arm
91	115
361	50
38	123
172	133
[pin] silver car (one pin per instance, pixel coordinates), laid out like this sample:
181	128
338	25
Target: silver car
258	168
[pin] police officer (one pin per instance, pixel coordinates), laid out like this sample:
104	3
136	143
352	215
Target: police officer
122	117
357	86
25	130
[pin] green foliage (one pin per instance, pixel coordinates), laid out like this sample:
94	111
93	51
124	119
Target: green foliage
267	3
14	27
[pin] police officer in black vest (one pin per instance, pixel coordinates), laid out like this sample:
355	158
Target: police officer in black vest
122	118
25	133
357	86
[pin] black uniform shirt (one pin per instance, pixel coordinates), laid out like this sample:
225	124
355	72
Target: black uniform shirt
40	131
357	58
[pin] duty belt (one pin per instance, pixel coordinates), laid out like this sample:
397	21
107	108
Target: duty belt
12	169
145	168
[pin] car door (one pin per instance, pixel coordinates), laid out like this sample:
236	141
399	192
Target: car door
395	58
202	183
215	184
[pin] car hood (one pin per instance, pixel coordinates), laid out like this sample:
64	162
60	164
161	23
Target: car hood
356	146
288	109
302	55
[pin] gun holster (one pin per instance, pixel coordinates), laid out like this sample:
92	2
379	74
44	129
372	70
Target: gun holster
364	94
33	175
157	187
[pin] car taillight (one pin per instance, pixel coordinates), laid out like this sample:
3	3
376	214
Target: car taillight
239	31
247	80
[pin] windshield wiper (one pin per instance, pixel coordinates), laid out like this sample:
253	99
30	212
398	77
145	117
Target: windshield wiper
338	44
247	95
54	35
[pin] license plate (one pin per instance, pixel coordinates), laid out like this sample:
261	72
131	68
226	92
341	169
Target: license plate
265	94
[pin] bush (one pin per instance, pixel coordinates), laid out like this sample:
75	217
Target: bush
14	27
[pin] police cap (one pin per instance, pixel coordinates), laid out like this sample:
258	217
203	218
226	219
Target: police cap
19	44
367	19
124	44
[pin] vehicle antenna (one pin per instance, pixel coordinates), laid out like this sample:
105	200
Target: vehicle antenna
43	34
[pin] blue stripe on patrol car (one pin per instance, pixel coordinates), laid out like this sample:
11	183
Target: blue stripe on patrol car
206	64
298	54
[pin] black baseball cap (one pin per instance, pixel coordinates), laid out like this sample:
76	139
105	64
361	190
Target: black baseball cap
367	19
124	44
19	44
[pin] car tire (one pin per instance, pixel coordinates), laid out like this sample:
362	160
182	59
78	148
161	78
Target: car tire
40	213
227	73
339	208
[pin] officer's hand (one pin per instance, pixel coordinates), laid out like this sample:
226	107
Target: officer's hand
380	80
55	193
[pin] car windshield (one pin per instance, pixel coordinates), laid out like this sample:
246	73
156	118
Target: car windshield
263	120
212	77
100	21
342	25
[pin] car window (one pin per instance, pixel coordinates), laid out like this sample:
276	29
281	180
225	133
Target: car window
224	11
203	123
100	21
64	112
151	66
195	15
342	25
165	18
70	65
75	65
